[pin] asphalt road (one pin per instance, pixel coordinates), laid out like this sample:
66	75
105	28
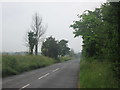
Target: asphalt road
60	75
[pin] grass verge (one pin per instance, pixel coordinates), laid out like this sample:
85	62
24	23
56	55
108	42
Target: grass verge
16	64
95	74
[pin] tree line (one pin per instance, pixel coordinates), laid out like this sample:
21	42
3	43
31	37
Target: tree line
50	46
100	30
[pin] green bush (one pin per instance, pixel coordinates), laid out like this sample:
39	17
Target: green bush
15	64
96	74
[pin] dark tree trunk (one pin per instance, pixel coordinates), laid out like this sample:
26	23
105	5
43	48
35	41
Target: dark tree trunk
36	49
31	52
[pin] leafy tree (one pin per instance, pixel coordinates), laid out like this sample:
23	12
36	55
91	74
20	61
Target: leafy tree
88	26
99	31
63	48
31	41
50	47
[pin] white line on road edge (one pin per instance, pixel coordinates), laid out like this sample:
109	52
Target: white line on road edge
43	76
55	69
24	86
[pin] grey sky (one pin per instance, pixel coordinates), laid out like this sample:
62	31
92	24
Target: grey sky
17	18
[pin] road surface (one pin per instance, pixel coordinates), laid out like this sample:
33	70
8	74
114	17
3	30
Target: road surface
60	75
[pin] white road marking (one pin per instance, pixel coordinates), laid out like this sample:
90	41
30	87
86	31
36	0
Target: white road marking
43	76
24	86
55	70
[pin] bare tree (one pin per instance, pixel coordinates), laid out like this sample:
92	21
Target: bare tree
38	29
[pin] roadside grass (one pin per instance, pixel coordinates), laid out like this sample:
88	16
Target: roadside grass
16	64
64	58
96	74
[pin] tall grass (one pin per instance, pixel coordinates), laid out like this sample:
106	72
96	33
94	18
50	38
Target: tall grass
95	74
15	64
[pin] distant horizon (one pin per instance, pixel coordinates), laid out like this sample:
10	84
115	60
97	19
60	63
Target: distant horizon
21	52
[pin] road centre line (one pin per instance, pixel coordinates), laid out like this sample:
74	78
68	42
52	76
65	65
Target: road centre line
47	74
43	76
55	70
24	86
40	77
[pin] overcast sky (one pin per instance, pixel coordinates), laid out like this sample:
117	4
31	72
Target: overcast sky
17	18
